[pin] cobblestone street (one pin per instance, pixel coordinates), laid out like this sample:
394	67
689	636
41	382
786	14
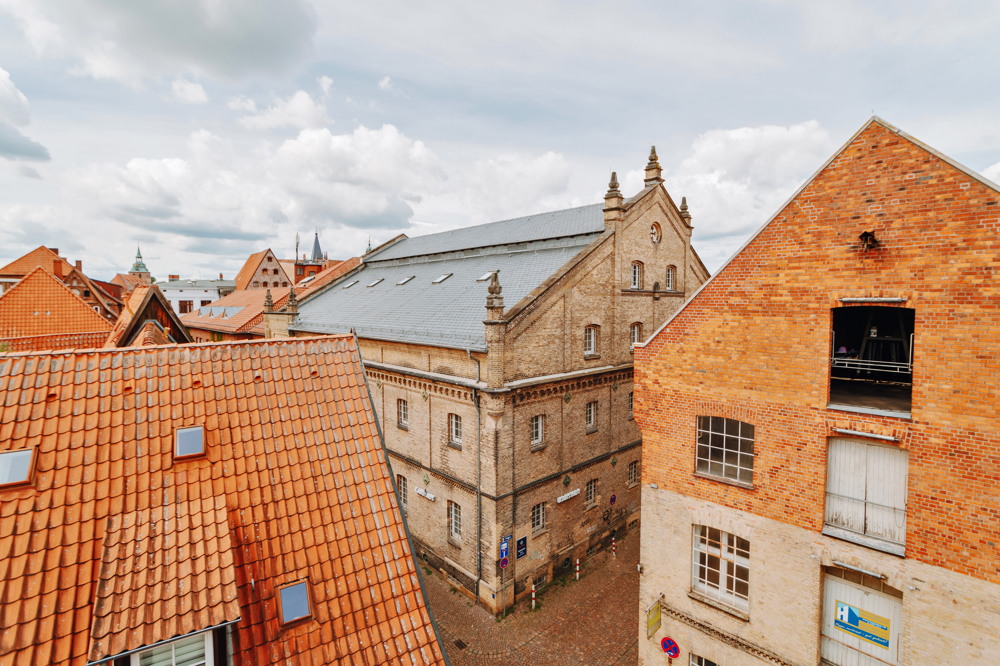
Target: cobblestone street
592	622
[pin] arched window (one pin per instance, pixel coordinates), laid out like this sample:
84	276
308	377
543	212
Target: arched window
668	283
636	275
635	333
269	259
590	341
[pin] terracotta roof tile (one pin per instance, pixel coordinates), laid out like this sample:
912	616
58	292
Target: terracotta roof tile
116	545
55	341
39	257
39	304
250	314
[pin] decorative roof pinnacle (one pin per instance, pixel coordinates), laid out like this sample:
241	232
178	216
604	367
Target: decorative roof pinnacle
268	303
613	190
653	161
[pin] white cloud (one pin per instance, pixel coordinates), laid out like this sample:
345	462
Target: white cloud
993	172
15	112
189	92
300	111
14	107
242	104
325	82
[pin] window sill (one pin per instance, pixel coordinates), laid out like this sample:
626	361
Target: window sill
454	544
871	411
591	431
722	479
591	357
589	507
402	426
632	485
718	605
455	445
899	550
539	533
537	447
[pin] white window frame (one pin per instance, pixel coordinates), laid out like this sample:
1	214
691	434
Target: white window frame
537	430
405	280
695	660
135	659
401	483
590	415
590	340
402	412
441	279
454	429
636	282
668	280
591	493
635	333
538	518
454	521
725	454
633	472
720	552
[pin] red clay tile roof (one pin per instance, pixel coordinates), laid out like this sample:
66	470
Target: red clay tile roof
252	303
126	282
55	341
150	335
145	303
244	277
42	305
115	544
41	256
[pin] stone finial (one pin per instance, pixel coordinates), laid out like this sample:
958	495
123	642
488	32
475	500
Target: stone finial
613	200
268	303
613	190
653	169
495	300
292	306
684	210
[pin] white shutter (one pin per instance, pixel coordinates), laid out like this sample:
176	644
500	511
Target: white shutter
845	484
886	495
845	649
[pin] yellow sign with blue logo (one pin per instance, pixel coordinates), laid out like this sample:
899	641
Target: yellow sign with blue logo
866	626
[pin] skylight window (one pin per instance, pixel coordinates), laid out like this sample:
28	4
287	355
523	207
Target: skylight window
376	282
311	277
294	602
190	442
486	277
15	466
405	280
349	284
441	279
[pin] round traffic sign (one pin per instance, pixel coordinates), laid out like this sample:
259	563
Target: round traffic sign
670	647
613	500
503	562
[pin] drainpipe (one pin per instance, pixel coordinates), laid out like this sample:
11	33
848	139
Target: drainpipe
479	476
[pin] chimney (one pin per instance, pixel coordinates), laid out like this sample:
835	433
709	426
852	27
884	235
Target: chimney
613	201
57	268
173	278
79	265
653	169
54	250
496	332
220	276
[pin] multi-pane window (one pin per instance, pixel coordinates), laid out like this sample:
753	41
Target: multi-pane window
591	413
193	651
402	413
721	568
401	484
630	404
866	491
668	281
455	429
725	448
635	333
186	306
454	521
590	340
537	430
700	661
636	275
633	472
591	491
538	518
204	303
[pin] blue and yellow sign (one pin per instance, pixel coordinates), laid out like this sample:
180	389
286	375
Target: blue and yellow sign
866	626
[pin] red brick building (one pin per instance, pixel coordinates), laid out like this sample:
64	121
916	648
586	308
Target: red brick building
821	450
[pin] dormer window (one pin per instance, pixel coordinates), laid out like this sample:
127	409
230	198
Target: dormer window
16	466
668	281
189	442
293	602
636	275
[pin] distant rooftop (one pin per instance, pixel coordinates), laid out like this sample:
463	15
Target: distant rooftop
195	284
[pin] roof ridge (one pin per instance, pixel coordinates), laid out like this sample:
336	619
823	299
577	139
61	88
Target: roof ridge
38	269
256	342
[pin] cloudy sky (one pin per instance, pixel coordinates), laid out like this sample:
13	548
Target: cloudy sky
204	130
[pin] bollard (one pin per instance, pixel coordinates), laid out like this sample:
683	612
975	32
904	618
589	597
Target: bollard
613	553
532	596
578	569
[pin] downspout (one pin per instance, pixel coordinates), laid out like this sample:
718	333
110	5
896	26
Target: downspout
479	475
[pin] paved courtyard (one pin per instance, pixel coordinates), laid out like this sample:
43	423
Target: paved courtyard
592	622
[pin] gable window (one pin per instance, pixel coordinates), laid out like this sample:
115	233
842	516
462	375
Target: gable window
455	430
636	275
591	416
265	284
189	442
538	518
16	466
725	449
721	567
269	260
194	651
401	485
635	333
537	430
293	602
591	492
402	414
668	280
590	341
454	521
633	472
256	284
866	488
284	284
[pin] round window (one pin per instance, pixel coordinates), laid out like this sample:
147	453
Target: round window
654	232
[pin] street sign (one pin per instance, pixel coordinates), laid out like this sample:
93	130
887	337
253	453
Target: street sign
522	547
670	647
613	498
504	552
507	538
504	562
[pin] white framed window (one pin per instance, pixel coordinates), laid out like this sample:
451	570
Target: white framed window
725	448
635	333
372	284
538	518
537	430
401	484
485	277
700	661
590	340
193	651
633	472
591	492
405	280
454	521
402	413
441	279
454	429
16	466
591	414
866	486
636	275
350	284
721	567
668	279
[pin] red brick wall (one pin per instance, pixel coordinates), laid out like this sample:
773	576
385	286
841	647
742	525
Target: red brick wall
756	341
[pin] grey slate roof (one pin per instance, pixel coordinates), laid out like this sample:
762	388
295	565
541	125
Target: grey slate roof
554	224
196	284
